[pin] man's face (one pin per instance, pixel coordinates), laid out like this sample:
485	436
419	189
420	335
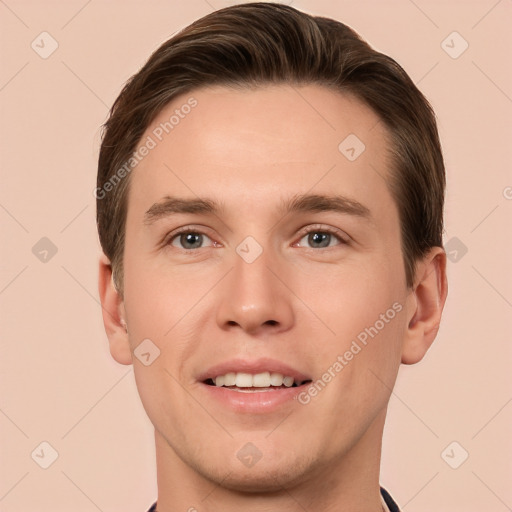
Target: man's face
316	293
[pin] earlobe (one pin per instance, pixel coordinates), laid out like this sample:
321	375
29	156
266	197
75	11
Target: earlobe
425	306
112	306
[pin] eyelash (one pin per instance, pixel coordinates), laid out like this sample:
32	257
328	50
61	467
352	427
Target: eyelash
343	240
318	228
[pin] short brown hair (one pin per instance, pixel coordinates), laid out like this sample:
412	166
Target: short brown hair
266	43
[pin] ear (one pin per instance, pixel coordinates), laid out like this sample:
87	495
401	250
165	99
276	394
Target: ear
425	305
112	306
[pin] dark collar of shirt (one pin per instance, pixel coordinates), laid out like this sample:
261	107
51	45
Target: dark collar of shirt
393	507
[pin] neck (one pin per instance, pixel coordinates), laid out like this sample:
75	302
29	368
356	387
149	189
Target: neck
349	483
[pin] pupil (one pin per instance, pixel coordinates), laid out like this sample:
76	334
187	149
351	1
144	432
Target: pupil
321	239
191	239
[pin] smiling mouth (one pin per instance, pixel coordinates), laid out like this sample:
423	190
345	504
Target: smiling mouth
253	383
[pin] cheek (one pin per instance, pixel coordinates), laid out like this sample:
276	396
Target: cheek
157	296
350	297
359	314
163	401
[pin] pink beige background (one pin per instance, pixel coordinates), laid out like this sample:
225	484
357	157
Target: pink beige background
59	384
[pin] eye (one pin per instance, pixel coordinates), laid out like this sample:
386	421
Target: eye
189	240
319	238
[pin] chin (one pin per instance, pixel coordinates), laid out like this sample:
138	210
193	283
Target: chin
264	477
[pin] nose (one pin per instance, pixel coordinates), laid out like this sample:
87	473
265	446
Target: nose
254	297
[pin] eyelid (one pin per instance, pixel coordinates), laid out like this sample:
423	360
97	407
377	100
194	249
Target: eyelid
343	238
200	230
322	228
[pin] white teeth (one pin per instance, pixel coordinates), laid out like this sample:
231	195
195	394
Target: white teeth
230	379
243	380
288	382
259	380
276	379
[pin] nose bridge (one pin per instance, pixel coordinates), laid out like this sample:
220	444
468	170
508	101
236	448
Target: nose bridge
253	298
253	281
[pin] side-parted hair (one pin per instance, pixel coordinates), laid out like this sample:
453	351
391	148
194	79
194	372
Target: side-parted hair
263	44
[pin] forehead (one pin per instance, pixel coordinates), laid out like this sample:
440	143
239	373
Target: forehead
247	146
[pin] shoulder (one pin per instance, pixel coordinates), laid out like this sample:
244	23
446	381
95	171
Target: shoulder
392	506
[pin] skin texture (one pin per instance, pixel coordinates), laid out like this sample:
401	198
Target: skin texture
299	303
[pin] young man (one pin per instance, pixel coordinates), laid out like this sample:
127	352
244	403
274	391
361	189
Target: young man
270	206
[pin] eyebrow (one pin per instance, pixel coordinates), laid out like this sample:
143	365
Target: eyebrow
173	205
297	204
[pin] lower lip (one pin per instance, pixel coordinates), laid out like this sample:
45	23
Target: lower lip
254	401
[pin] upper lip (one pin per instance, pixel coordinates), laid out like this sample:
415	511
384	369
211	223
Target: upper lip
253	367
